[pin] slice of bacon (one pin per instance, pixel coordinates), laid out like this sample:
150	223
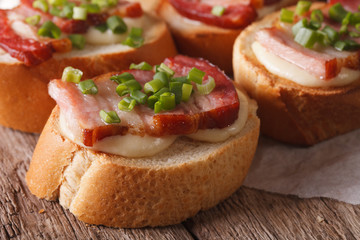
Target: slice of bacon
236	15
218	109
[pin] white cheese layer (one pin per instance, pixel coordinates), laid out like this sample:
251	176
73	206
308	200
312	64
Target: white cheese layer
138	146
287	70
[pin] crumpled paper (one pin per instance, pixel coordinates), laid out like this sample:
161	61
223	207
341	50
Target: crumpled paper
329	169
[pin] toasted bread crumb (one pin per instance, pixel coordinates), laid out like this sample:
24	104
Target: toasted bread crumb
320	219
42	211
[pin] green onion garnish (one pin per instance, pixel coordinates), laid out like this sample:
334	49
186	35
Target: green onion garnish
79	13
176	88
91	8
314	25
207	87
355	18
132	85
306	37
332	35
303	23
41	4
55	11
77	40
196	75
88	87
139	96
102	27
302	7
33	20
133	42
67	11
182	79
49	29
337	12
109	117
122	90
165	69
186	92
153	86
317	15
167	101
163	77
57	2
347	45
116	24
71	74
127	104
286	16
124	77
141	66
152	100
218	10
157	107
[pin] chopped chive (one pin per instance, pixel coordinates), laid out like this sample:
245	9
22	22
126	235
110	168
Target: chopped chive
109	117
124	77
286	16
158	107
136	32
167	101
302	7
102	27
306	37
314	25
127	104
161	91
41	4
186	92
79	13
153	86
71	74
49	29
77	40
163	77
317	15
196	75
207	87
347	45
218	10
122	90
141	66
33	20
355	18
116	24
337	12
88	87
139	96
182	79
132	85
68	11
134	42
176	88
91	8
57	2
165	69
152	100
303	23
331	33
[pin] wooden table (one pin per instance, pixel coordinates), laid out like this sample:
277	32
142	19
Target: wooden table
247	214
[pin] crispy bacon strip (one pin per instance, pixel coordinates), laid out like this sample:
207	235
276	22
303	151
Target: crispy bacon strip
235	16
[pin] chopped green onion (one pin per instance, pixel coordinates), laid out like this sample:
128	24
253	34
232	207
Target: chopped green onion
134	42
77	40
165	69
79	13
286	16
57	2
303	23
88	87
306	37
314	25
116	24
127	104
347	45
331	33
105	3
33	20
354	34
196	75
176	88
153	86
67	11
136	32
157	107
186	92
163	77
102	27
344	24
122	90
317	15
355	18
161	91
91	8
132	85
218	10
124	77
302	7
55	11
71	74
182	79
139	96
152	100
323	38
141	66
207	87
167	101
49	29
109	117
337	12
41	4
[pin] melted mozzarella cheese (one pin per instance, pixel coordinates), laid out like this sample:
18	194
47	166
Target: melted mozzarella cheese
287	70
220	135
95	37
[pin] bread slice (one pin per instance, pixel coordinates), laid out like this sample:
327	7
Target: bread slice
24	102
196	39
288	111
165	189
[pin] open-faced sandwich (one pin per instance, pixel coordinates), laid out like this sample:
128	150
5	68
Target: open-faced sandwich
146	146
209	28
39	38
302	67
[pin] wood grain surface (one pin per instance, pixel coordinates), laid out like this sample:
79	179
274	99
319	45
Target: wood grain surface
247	214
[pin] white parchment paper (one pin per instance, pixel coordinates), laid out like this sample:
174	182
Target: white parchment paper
328	169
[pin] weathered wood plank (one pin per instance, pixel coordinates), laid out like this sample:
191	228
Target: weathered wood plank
20	216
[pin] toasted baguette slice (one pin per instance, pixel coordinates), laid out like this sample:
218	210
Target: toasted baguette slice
24	102
197	39
165	189
290	112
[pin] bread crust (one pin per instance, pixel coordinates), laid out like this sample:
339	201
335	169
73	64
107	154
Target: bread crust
201	40
288	111
24	102
164	189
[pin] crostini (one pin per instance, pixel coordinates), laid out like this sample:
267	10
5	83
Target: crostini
39	38
208	29
146	146
302	67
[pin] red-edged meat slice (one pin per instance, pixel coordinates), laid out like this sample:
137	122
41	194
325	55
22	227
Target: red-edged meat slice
218	109
236	15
